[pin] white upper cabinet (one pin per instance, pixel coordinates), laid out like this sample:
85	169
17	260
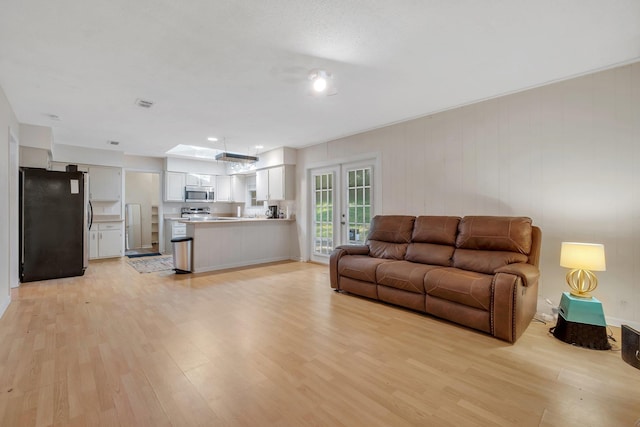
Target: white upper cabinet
238	189
223	188
262	184
105	184
200	180
174	187
276	183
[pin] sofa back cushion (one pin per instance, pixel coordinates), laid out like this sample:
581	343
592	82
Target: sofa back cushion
389	236
433	240
485	243
495	233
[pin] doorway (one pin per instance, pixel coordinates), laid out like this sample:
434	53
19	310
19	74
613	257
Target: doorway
342	205
141	213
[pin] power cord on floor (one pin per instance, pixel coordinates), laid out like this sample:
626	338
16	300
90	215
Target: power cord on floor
614	347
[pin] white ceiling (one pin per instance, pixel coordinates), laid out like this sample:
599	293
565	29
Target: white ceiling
237	69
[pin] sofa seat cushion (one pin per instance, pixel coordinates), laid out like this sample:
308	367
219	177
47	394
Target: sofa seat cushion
360	267
485	261
405	275
463	287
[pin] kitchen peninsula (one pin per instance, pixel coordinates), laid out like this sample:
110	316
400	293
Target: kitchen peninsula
229	242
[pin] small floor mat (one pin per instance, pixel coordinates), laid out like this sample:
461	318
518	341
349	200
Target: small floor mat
150	264
141	254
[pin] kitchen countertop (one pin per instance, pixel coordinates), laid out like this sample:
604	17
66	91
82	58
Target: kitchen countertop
233	220
106	218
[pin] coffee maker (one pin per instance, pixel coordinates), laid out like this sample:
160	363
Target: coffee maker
272	212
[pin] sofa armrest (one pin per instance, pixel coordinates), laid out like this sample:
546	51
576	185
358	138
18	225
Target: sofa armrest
338	253
354	249
527	272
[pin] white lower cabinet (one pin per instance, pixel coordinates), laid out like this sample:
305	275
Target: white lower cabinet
105	241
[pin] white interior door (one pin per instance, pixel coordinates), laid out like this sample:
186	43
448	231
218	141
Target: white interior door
324	212
357	210
341	207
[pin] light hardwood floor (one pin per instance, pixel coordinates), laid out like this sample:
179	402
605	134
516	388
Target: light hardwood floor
274	345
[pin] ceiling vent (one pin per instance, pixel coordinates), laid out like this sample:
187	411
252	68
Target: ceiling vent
238	158
144	103
113	142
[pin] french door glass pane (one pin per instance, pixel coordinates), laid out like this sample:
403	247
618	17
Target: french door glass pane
359	202
323	208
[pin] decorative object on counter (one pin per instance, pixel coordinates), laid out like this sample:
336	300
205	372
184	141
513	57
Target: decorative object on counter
152	264
583	259
272	212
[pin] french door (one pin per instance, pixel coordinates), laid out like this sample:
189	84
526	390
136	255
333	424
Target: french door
341	207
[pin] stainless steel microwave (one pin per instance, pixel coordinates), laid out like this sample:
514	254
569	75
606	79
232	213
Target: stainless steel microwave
198	194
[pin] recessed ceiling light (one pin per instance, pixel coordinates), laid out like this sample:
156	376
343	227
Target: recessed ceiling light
212	139
259	147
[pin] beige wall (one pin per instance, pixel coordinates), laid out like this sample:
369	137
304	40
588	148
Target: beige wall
567	155
9	204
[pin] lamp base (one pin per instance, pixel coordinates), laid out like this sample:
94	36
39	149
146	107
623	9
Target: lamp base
585	295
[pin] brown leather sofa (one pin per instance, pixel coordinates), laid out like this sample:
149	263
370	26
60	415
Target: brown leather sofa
478	271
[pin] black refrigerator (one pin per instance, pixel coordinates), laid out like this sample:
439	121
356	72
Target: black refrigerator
55	218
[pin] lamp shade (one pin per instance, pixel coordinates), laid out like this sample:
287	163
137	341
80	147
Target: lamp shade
582	256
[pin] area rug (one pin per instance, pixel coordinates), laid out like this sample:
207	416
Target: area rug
152	263
143	254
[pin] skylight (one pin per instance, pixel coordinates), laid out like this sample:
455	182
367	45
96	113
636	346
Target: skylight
193	151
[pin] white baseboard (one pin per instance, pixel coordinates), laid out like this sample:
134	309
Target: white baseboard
614	321
5	305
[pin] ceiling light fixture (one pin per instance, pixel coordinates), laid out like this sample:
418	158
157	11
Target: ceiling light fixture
212	139
233	157
226	156
321	82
